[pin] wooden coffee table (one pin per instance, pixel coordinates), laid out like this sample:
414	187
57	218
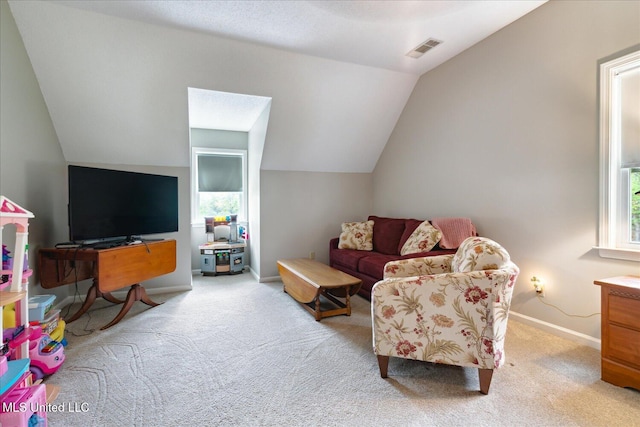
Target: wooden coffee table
306	280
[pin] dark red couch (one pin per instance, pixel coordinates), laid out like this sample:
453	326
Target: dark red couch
389	234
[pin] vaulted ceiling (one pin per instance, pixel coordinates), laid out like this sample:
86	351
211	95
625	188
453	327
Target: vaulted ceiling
116	74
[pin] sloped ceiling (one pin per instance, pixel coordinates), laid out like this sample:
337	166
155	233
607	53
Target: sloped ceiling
117	88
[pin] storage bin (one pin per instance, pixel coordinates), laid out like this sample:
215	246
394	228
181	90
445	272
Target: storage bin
39	306
49	323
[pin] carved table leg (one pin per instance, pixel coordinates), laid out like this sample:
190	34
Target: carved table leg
109	297
318	313
141	295
88	301
92	295
136	293
348	300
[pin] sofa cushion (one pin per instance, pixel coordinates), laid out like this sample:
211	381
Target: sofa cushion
479	253
348	258
386	234
357	235
423	239
373	264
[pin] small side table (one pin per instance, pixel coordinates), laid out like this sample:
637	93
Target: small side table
621	330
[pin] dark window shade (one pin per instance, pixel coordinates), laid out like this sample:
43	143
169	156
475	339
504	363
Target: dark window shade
219	173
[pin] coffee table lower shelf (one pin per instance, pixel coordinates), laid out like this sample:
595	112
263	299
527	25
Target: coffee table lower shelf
307	281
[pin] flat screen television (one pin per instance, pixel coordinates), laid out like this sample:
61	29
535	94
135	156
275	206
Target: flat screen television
106	204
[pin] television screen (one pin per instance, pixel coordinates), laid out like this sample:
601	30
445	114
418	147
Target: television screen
106	203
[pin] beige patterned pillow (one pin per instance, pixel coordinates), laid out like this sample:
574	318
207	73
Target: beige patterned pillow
479	253
357	235
423	239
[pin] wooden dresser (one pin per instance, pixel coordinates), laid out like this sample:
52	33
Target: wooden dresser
621	330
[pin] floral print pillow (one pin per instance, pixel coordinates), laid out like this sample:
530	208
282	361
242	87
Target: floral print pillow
357	235
479	253
423	239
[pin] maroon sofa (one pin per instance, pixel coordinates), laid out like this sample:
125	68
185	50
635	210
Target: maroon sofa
389	234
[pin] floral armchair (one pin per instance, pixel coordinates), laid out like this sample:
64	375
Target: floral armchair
449	309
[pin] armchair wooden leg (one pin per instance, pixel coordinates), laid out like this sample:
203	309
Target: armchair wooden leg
485	380
383	364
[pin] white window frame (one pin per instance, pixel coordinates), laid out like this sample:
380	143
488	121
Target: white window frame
196	219
613	237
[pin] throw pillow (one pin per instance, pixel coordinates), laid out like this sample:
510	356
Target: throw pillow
423	239
479	253
410	226
386	234
357	235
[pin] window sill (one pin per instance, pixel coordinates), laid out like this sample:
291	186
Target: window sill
618	253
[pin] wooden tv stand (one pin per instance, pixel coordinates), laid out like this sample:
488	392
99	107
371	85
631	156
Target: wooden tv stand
111	269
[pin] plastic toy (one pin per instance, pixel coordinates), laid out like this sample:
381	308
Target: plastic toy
7	262
9	316
7	265
46	356
58	333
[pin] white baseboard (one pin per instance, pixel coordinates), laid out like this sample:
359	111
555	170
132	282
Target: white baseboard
262	279
569	334
269	279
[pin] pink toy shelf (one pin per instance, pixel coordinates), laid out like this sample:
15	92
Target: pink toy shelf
23	404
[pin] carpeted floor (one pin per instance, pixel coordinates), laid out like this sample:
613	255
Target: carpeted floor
234	352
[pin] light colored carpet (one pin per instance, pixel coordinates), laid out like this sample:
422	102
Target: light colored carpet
236	352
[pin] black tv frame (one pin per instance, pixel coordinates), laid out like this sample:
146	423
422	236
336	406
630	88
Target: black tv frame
117	205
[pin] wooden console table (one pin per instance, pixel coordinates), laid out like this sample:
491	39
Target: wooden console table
621	330
111	269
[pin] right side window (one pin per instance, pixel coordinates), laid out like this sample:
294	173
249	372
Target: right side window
619	235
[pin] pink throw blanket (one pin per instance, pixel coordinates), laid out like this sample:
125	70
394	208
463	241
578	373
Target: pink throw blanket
454	231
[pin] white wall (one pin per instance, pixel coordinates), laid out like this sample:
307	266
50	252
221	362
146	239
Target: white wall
117	92
305	210
32	168
506	133
257	136
34	172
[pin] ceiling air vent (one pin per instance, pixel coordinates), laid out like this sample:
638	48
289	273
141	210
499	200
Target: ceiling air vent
423	48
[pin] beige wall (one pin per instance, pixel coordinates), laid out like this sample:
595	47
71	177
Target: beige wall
32	167
302	211
33	170
507	133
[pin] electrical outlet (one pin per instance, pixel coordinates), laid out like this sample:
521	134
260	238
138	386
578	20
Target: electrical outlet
538	285
312	255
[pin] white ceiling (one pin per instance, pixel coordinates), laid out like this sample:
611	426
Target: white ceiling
115	75
212	109
373	33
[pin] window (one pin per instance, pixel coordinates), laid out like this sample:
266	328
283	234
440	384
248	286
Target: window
619	235
218	184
